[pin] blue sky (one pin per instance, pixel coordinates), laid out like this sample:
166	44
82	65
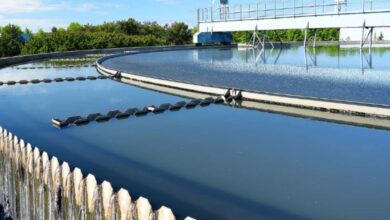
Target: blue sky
45	14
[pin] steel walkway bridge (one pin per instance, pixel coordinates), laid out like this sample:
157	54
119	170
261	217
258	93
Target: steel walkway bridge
216	24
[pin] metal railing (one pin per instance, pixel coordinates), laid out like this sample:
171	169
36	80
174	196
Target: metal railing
289	8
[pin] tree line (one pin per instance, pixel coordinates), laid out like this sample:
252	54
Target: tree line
326	34
125	33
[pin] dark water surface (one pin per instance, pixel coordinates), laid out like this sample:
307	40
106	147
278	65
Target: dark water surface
215	162
326	72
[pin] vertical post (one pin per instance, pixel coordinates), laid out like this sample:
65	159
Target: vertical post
338	7
265	9
198	17
275	9
364	5
254	39
315	7
294	8
263	40
370	60
371	5
315	40
226	12
211	14
305	40
240	12
371	35
257	10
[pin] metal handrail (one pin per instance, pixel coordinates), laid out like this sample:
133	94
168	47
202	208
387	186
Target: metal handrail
271	9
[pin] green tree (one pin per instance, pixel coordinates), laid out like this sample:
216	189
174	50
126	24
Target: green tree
74	26
178	34
194	30
327	34
153	28
130	27
11	40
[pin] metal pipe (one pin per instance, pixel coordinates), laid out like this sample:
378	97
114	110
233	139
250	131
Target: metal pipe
211	14
240	12
371	34
371	4
198	18
364	5
294	7
275	9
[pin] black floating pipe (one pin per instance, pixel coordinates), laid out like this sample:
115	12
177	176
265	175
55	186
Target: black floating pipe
55	67
37	81
177	106
98	117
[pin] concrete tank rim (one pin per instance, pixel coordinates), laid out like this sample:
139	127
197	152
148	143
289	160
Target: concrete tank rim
100	67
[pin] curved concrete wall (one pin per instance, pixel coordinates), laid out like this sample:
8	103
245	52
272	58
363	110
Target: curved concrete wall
279	109
337	107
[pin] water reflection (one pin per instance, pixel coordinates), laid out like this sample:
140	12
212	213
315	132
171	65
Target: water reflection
310	56
47	69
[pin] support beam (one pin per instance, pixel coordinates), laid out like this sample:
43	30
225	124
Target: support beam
371	36
306	29
368	37
255	39
363	30
279	38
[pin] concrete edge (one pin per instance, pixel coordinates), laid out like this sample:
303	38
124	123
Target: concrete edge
353	120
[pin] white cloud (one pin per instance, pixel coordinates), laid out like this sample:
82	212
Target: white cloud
85	7
31	6
27	6
18	12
